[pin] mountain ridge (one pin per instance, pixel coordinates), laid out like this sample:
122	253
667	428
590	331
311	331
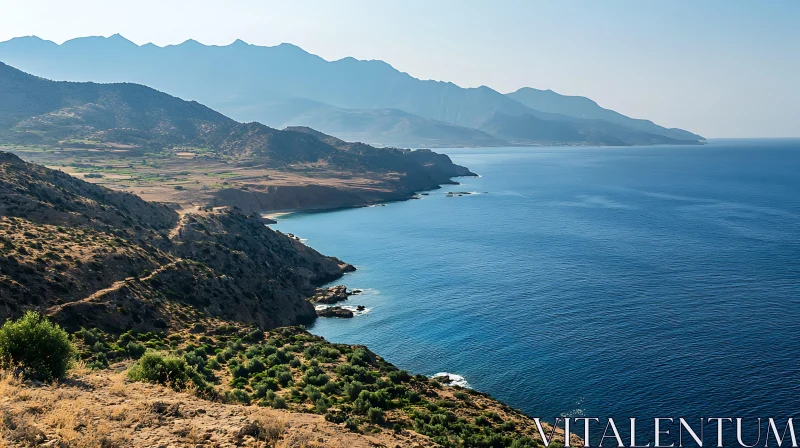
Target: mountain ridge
239	76
582	107
136	129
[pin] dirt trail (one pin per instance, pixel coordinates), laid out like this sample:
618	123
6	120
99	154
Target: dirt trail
116	286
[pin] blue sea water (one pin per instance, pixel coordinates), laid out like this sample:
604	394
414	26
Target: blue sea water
623	282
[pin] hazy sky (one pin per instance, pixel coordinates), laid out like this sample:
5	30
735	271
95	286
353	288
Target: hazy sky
722	68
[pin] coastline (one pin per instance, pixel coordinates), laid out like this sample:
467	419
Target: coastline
272	216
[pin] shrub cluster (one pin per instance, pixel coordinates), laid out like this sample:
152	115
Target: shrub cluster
40	348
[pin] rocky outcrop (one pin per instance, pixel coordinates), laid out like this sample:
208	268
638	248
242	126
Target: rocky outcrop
332	294
335	311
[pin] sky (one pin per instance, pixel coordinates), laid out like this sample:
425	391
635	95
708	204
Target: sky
721	68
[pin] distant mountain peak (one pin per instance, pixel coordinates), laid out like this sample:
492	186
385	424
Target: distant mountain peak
28	39
247	78
117	39
191	42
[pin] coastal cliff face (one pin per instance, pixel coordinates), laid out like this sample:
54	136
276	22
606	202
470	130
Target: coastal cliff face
88	256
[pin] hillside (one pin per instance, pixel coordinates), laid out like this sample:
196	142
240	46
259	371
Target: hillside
133	281
246	81
584	108
89	256
386	127
134	138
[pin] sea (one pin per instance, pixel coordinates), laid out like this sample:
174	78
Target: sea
659	281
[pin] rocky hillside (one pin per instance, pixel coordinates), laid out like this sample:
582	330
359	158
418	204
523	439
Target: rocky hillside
284	388
89	256
135	282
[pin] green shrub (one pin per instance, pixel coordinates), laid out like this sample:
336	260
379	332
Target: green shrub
399	376
256	366
284	378
255	335
321	405
260	390
135	349
367	400
312	392
239	371
351	390
279	403
481	420
329	354
239	383
359	357
37	346
461	395
351	424
335	416
331	388
90	337
155	367
316	380
375	415
413	397
237	396
100	362
252	352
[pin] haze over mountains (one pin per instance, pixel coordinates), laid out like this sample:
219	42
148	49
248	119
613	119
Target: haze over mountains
368	101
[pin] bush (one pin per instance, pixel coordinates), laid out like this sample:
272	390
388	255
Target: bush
399	376
321	405
135	349
352	390
367	400
239	371
359	357
256	366
461	396
284	378
375	415
279	403
316	380
312	393
155	367
34	344
237	396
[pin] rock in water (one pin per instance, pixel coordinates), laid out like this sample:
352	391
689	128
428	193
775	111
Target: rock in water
334	311
333	294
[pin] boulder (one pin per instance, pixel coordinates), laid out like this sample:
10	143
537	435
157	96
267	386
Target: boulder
334	311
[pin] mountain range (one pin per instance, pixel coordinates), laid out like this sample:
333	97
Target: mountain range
132	137
352	99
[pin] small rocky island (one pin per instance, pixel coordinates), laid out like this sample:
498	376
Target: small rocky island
333	294
335	311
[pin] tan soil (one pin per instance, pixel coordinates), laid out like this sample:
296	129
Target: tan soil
102	408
